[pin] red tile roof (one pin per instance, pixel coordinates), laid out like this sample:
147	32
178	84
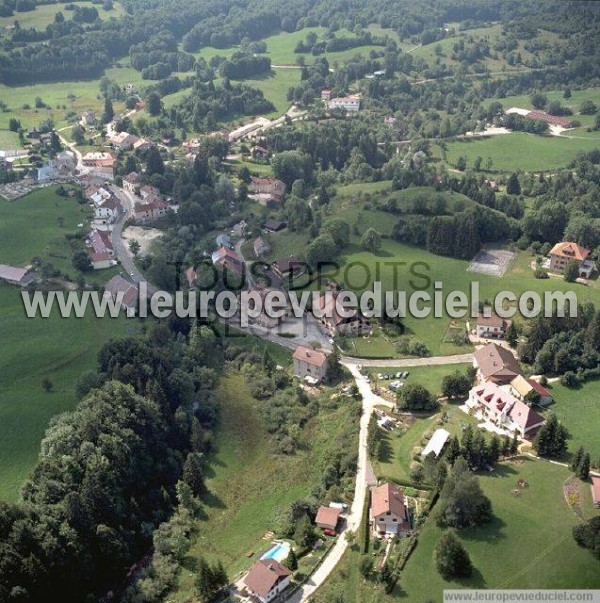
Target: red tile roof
327	517
539	388
387	498
569	250
497	363
310	356
265	575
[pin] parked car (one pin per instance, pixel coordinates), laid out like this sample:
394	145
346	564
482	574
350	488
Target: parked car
329	532
405	374
379	376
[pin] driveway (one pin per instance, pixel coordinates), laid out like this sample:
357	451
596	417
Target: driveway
354	517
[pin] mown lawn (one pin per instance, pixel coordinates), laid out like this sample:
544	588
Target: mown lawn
580	411
9	141
528	545
520	151
32	349
248	486
31	227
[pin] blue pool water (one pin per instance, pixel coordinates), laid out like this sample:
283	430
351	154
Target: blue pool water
278	552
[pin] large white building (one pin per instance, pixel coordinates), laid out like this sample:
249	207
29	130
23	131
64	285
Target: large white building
347	103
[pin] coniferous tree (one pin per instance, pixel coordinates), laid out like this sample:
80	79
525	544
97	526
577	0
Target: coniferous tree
451	558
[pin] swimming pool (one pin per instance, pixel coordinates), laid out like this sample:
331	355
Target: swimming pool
279	552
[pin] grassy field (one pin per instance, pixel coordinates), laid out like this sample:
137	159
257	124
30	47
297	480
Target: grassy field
580	412
29	227
44	14
31	350
534	552
86	96
520	151
248	486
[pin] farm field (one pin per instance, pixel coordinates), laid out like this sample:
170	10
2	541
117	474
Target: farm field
57	348
519	151
248	486
44	14
533	556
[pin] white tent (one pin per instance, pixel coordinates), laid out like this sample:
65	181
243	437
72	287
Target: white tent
436	443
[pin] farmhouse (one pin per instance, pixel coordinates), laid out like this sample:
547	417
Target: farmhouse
327	517
326	94
258	152
97	194
267	579
563	253
496	364
118	287
132	183
347	103
492	326
15	276
261	247
123	141
326	311
144	212
388	512
501	408
436	443
101	253
309	363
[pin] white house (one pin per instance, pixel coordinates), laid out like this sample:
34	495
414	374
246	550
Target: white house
492	327
388	512
267	579
498	406
107	211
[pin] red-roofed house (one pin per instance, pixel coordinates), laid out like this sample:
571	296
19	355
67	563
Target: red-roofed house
388	513
563	253
496	364
327	518
267	579
309	363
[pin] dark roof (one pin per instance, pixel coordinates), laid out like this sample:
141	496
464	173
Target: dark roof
264	575
275	225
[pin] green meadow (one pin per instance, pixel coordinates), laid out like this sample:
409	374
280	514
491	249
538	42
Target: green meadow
36	225
519	151
44	14
32	350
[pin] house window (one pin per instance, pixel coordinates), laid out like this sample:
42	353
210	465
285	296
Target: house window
394	519
381	519
389	513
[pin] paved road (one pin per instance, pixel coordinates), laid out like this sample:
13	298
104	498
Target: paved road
407	362
360	490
